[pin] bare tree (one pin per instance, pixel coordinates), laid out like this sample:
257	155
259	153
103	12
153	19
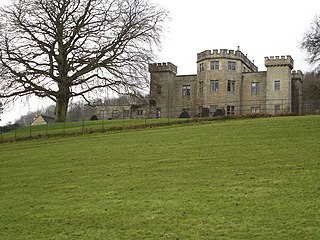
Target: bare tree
61	49
311	42
311	92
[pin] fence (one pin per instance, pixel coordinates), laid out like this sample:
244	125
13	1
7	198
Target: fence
149	119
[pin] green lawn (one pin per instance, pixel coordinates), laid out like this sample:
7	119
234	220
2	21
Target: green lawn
234	179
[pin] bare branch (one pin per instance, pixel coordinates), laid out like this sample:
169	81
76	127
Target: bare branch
67	48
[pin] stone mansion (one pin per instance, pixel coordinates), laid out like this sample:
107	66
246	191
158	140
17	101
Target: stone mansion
227	81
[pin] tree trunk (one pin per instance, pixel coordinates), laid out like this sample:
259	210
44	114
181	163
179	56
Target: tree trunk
61	109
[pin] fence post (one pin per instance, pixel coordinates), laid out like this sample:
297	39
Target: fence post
30	131
82	126
15	133
1	138
47	130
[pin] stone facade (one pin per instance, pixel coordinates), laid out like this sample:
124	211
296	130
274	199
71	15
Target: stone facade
226	80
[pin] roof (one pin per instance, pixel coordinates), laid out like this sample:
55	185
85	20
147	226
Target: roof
47	118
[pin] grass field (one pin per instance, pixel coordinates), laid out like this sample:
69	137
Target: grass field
235	179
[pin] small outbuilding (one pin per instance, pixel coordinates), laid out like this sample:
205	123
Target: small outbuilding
42	119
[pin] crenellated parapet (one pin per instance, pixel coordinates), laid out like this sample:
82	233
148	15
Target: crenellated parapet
297	75
225	53
279	61
163	67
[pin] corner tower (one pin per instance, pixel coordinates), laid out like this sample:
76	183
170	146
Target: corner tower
278	86
162	87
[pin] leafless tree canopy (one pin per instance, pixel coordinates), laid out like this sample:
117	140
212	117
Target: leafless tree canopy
62	49
311	41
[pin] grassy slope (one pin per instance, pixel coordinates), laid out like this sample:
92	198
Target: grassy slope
241	179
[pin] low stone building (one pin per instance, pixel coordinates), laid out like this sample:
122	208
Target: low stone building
42	120
134	108
227	81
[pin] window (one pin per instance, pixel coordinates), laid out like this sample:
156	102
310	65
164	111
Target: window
231	66
255	110
186	90
276	109
103	113
214	65
115	113
159	89
255	87
231	86
126	113
201	67
139	112
214	85
201	87
158	113
230	110
213	108
277	85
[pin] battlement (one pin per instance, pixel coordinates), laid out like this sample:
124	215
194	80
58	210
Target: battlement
277	61
163	67
225	53
297	75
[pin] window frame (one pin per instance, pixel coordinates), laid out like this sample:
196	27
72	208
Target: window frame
232	66
214	86
254	110
231	86
277	85
186	90
140	112
201	67
277	109
230	110
201	87
255	88
215	65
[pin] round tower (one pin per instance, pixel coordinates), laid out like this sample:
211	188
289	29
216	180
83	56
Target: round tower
220	75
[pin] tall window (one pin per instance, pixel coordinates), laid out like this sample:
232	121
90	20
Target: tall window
214	65
230	110
186	90
158	113
231	66
277	85
159	89
231	86
201	87
255	87
201	67
276	109
214	85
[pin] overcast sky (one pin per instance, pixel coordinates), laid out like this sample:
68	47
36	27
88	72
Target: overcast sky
260	28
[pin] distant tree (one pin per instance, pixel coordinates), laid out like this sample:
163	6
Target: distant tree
311	42
9	127
61	49
311	92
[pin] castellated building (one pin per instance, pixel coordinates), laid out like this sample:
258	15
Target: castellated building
226	83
